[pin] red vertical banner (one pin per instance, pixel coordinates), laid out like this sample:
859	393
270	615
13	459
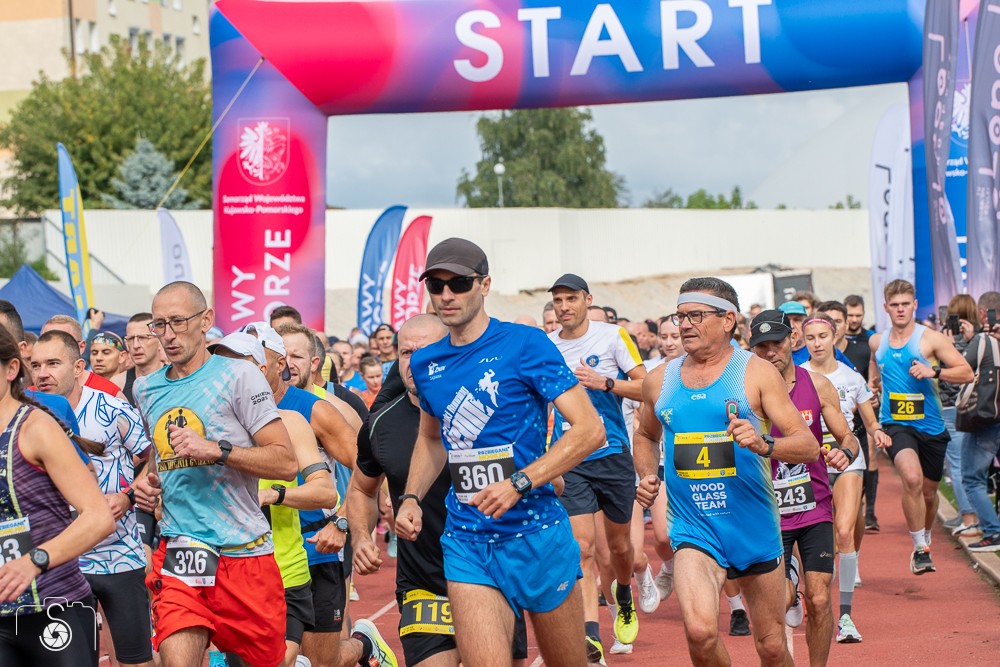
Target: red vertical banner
411	258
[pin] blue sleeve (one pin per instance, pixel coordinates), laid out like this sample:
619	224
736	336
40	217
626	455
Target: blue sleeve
840	356
79	452
543	367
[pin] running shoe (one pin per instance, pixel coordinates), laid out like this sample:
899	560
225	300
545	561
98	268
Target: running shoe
595	652
953	523
920	562
846	632
794	614
354	593
302	661
871	524
217	659
382	655
963	530
649	595
988	543
620	649
393	547
664	584
739	624
626	622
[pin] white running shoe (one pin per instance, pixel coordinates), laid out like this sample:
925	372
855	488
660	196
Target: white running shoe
664	584
649	595
846	632
354	593
794	614
620	649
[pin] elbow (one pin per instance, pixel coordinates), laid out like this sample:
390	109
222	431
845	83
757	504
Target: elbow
596	435
288	470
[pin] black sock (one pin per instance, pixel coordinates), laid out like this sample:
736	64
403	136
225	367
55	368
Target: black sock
871	490
845	609
366	648
623	593
592	629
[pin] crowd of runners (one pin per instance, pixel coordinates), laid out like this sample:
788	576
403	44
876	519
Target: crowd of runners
218	494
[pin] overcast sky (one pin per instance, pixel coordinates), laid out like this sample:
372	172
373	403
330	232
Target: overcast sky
769	145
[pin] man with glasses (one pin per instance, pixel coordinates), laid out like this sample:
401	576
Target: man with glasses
606	362
144	349
710	406
216	431
507	541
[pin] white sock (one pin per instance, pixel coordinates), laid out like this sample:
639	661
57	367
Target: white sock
667	566
919	540
735	602
927	536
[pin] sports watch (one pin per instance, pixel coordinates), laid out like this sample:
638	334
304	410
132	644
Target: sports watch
39	558
769	441
609	384
227	448
521	482
281	493
341	523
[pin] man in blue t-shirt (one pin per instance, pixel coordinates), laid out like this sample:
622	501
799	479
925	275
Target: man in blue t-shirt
507	541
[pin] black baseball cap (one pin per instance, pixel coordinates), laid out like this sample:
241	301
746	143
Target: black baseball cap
571	281
460	256
769	325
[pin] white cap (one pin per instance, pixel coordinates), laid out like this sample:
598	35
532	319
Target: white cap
242	344
267	336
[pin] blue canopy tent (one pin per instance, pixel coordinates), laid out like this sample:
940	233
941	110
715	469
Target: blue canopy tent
36	301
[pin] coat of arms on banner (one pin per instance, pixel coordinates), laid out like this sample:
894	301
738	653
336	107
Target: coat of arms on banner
263	149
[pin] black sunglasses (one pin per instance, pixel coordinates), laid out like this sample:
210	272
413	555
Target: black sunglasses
457	285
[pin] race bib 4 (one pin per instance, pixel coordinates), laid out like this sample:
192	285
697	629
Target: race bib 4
704	455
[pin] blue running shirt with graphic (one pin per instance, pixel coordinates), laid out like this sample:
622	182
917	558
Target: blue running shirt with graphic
493	393
115	424
225	399
610	352
720	495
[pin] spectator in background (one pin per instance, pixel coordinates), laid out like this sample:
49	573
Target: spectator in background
371	373
596	314
526	320
612	315
107	354
963	307
981	447
285	315
29	342
549	320
754	309
349	376
808	301
385	350
214	335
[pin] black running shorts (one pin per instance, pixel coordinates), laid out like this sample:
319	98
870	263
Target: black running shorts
125	601
930	449
329	595
815	547
606	484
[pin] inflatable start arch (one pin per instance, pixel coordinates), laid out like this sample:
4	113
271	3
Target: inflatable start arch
316	59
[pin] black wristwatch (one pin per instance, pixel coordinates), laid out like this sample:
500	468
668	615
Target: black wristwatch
937	372
521	482
849	454
769	441
227	449
609	384
130	494
40	559
341	523
281	494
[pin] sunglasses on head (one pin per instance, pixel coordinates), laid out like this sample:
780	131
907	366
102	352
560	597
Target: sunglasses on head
457	285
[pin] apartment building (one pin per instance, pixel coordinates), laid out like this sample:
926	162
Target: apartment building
36	33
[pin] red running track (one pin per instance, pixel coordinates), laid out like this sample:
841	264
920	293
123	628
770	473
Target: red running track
951	617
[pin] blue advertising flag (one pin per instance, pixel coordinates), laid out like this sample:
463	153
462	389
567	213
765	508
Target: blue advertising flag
984	155
74	236
940	62
375	264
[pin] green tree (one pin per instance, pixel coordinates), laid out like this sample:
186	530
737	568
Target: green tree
849	202
13	254
702	199
552	157
144	177
664	199
119	95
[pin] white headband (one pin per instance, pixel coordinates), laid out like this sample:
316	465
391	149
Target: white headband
708	300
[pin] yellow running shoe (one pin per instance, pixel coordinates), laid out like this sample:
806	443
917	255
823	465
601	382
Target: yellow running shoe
595	652
626	621
382	655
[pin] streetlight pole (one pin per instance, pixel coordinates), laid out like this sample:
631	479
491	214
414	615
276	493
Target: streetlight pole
499	170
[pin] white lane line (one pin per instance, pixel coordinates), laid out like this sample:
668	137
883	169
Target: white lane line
383	610
537	662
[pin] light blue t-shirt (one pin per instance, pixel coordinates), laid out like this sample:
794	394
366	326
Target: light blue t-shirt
492	394
225	399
